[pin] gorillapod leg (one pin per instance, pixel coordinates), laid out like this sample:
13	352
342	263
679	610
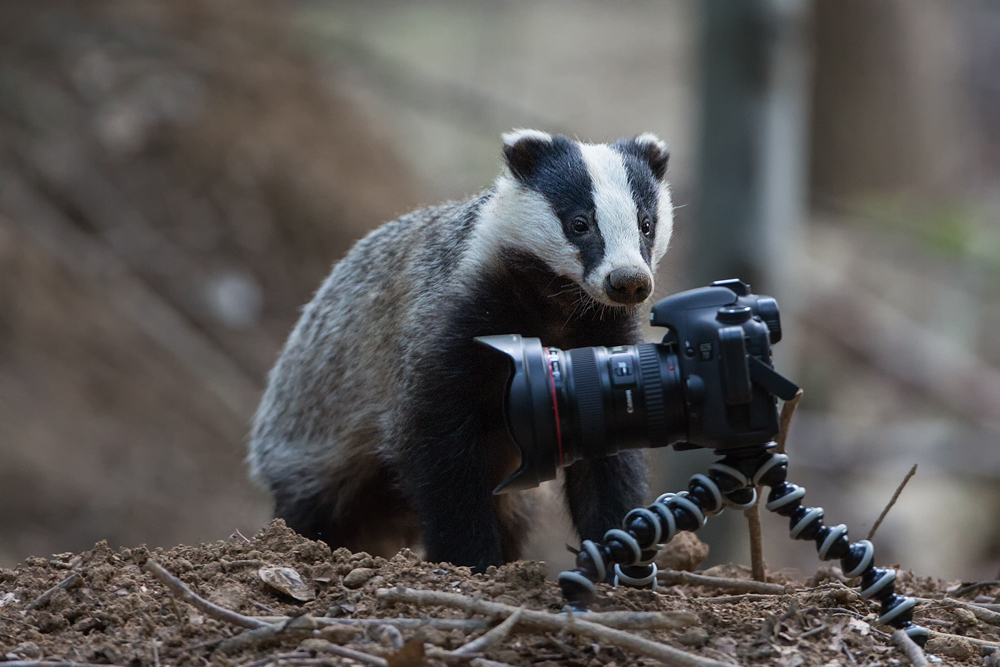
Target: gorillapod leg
731	482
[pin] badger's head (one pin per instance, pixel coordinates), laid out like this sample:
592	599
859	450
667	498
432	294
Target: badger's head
598	214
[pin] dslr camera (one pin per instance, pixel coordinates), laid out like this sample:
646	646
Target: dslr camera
710	383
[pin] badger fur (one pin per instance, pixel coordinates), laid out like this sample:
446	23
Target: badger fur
382	425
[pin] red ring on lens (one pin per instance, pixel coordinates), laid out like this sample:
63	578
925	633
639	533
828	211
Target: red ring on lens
555	406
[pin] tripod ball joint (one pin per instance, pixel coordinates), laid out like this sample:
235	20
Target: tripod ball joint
629	552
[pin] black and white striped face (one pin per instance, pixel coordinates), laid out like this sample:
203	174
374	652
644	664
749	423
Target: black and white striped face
599	214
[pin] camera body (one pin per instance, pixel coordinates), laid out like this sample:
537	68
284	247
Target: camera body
709	383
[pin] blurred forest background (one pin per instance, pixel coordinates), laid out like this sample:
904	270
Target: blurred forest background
177	176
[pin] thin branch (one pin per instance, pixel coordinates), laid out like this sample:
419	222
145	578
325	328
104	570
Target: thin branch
892	501
344	652
493	637
909	648
466	625
673	577
483	662
785	421
49	663
180	589
981	643
552	622
43	599
983	614
975	587
757	568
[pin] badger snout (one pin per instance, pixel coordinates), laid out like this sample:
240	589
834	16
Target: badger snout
628	286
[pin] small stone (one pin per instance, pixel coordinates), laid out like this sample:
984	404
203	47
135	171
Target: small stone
358	577
696	636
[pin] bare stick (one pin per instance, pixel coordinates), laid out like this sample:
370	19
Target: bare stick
983	614
892	501
551	622
483	662
344	652
757	569
465	625
180	589
673	577
975	587
641	620
43	599
981	643
785	421
909	648
49	663
493	637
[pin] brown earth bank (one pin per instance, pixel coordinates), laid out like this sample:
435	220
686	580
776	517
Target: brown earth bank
112	609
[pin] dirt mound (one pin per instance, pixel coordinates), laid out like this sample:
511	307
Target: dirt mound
111	609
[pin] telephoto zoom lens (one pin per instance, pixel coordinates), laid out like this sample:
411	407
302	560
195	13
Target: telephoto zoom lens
586	403
607	399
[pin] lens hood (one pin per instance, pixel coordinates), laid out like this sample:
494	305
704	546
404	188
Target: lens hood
529	411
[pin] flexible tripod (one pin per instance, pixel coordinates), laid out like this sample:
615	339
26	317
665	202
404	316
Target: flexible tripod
731	482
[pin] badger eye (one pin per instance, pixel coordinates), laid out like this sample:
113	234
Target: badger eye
646	225
580	225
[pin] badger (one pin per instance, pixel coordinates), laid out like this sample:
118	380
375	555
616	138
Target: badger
382	426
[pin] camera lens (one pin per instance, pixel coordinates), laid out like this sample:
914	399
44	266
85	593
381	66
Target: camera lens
566	405
610	399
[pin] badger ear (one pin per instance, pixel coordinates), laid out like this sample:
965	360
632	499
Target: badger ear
650	148
523	150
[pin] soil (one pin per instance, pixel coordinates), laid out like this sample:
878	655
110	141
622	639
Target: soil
118	613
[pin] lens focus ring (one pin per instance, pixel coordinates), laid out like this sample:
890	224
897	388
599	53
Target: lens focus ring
590	407
649	365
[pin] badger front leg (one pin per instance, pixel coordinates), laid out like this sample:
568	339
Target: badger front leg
600	492
451	491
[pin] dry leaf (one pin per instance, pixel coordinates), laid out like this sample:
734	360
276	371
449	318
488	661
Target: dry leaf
289	582
411	655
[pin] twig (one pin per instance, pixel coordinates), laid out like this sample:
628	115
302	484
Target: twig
180	589
746	597
892	501
483	662
299	626
909	648
985	615
43	599
344	652
785	421
757	568
465	625
981	643
641	620
673	577
975	587
552	622
49	663
815	631
493	637
156	653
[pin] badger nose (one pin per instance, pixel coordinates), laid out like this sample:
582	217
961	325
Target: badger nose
628	286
